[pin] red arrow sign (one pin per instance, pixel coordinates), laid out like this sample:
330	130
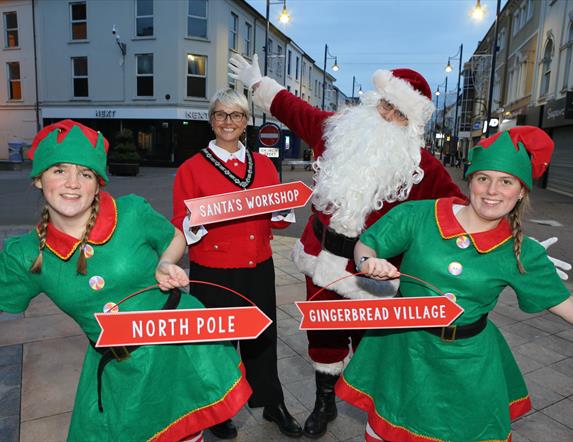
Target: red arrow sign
432	311
269	134
243	203
180	326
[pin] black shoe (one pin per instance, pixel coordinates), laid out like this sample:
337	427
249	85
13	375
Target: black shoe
224	430
324	408
280	416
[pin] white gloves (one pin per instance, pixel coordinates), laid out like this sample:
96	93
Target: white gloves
560	266
242	70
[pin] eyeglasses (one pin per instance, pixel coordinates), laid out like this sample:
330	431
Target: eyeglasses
388	107
236	117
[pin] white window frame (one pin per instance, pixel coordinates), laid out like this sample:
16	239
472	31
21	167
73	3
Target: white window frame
73	22
144	75
546	68
8	30
296	67
197	17
568	57
12	81
247	40
289	62
137	17
234	32
188	75
80	77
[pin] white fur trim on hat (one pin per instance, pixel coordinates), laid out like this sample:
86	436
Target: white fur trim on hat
327	267
416	106
265	94
335	368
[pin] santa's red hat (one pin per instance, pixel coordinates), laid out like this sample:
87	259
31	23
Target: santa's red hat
408	91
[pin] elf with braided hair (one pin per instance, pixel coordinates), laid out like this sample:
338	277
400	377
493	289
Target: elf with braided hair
457	383
88	252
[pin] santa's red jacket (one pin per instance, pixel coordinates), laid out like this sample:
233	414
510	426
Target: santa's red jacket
320	265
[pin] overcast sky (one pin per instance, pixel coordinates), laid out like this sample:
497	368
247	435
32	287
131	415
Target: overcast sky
367	35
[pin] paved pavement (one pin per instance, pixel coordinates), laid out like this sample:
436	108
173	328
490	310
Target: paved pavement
41	350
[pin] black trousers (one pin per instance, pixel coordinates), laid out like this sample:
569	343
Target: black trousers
259	355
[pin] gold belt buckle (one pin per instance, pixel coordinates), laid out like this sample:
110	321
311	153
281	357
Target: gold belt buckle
120	353
451	336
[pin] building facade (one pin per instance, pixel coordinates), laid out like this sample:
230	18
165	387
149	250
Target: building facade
149	66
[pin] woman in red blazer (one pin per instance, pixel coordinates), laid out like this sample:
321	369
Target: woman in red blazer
236	253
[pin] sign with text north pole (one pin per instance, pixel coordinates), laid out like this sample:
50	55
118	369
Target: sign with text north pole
180	326
431	311
243	203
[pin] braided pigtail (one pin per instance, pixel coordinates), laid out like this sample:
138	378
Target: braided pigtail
82	260
516	218
36	267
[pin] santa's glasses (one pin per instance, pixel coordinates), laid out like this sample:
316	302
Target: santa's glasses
389	107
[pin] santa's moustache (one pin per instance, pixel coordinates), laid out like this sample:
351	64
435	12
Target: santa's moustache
367	161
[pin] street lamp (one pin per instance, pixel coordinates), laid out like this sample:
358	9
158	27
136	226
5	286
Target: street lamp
283	18
449	69
335	67
478	11
478	15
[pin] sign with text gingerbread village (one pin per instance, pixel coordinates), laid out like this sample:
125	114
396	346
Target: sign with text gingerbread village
180	326
432	311
243	203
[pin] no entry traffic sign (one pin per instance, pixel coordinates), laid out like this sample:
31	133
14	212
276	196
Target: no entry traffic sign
269	134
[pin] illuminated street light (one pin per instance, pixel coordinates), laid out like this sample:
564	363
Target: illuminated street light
448	67
284	18
478	13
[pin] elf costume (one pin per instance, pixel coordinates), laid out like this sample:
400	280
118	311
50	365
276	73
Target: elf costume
159	392
458	383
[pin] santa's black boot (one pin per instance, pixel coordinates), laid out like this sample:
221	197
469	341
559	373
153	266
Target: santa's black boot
324	407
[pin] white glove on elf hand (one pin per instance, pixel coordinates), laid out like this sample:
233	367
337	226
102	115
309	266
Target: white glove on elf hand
560	266
247	73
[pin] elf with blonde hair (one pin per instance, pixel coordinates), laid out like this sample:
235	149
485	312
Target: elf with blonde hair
88	252
457	383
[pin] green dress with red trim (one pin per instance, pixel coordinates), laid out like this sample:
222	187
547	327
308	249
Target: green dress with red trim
161	392
416	387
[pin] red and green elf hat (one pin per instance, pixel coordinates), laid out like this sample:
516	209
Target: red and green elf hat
522	151
68	141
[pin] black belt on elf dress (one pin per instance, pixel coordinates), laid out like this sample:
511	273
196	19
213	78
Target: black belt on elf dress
335	243
454	332
108	354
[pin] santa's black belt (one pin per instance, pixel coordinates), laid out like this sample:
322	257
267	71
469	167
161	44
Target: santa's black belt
108	354
454	332
335	243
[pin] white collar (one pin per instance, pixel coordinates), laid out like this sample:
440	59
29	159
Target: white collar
225	155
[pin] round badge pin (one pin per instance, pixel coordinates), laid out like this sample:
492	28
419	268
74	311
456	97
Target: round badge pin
450	296
88	251
463	242
97	282
455	268
110	307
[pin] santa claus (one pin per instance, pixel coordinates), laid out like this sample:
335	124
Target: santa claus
368	159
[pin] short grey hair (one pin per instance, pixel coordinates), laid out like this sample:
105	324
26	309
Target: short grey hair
229	97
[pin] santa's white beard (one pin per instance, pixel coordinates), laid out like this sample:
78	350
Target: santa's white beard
367	161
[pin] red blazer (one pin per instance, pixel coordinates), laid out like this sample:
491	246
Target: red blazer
241	243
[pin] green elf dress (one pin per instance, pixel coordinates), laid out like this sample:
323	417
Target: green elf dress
161	392
416	386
